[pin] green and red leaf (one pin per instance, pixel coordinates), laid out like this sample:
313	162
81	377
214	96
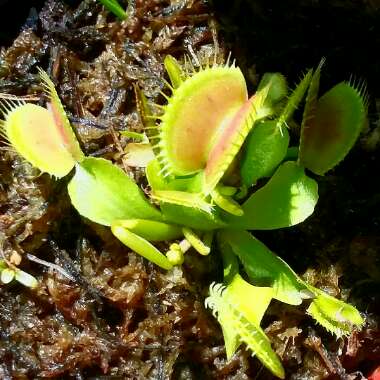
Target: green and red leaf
34	134
195	114
54	105
331	126
43	137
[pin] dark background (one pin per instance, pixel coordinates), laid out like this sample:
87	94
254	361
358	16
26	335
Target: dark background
292	35
13	15
287	36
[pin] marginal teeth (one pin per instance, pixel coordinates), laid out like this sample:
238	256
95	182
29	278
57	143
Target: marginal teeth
154	137
164	95
168	85
8	106
152	128
228	60
153	117
159	105
165	171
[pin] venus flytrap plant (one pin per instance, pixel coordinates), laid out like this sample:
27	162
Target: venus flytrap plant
211	144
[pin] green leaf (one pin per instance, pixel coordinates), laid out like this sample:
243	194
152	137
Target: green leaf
230	270
287	199
230	261
114	7
294	99
145	112
334	315
191	217
230	335
157	182
174	71
182	208
232	306
185	199
141	137
150	229
292	153
265	268
138	154
277	85
3	265
195	241
7	275
264	149
25	278
225	202
331	127
103	193
141	246
180	202
245	291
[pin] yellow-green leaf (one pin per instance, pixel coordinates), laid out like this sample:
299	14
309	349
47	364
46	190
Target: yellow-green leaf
34	134
103	193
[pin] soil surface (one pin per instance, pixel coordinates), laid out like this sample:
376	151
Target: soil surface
117	316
